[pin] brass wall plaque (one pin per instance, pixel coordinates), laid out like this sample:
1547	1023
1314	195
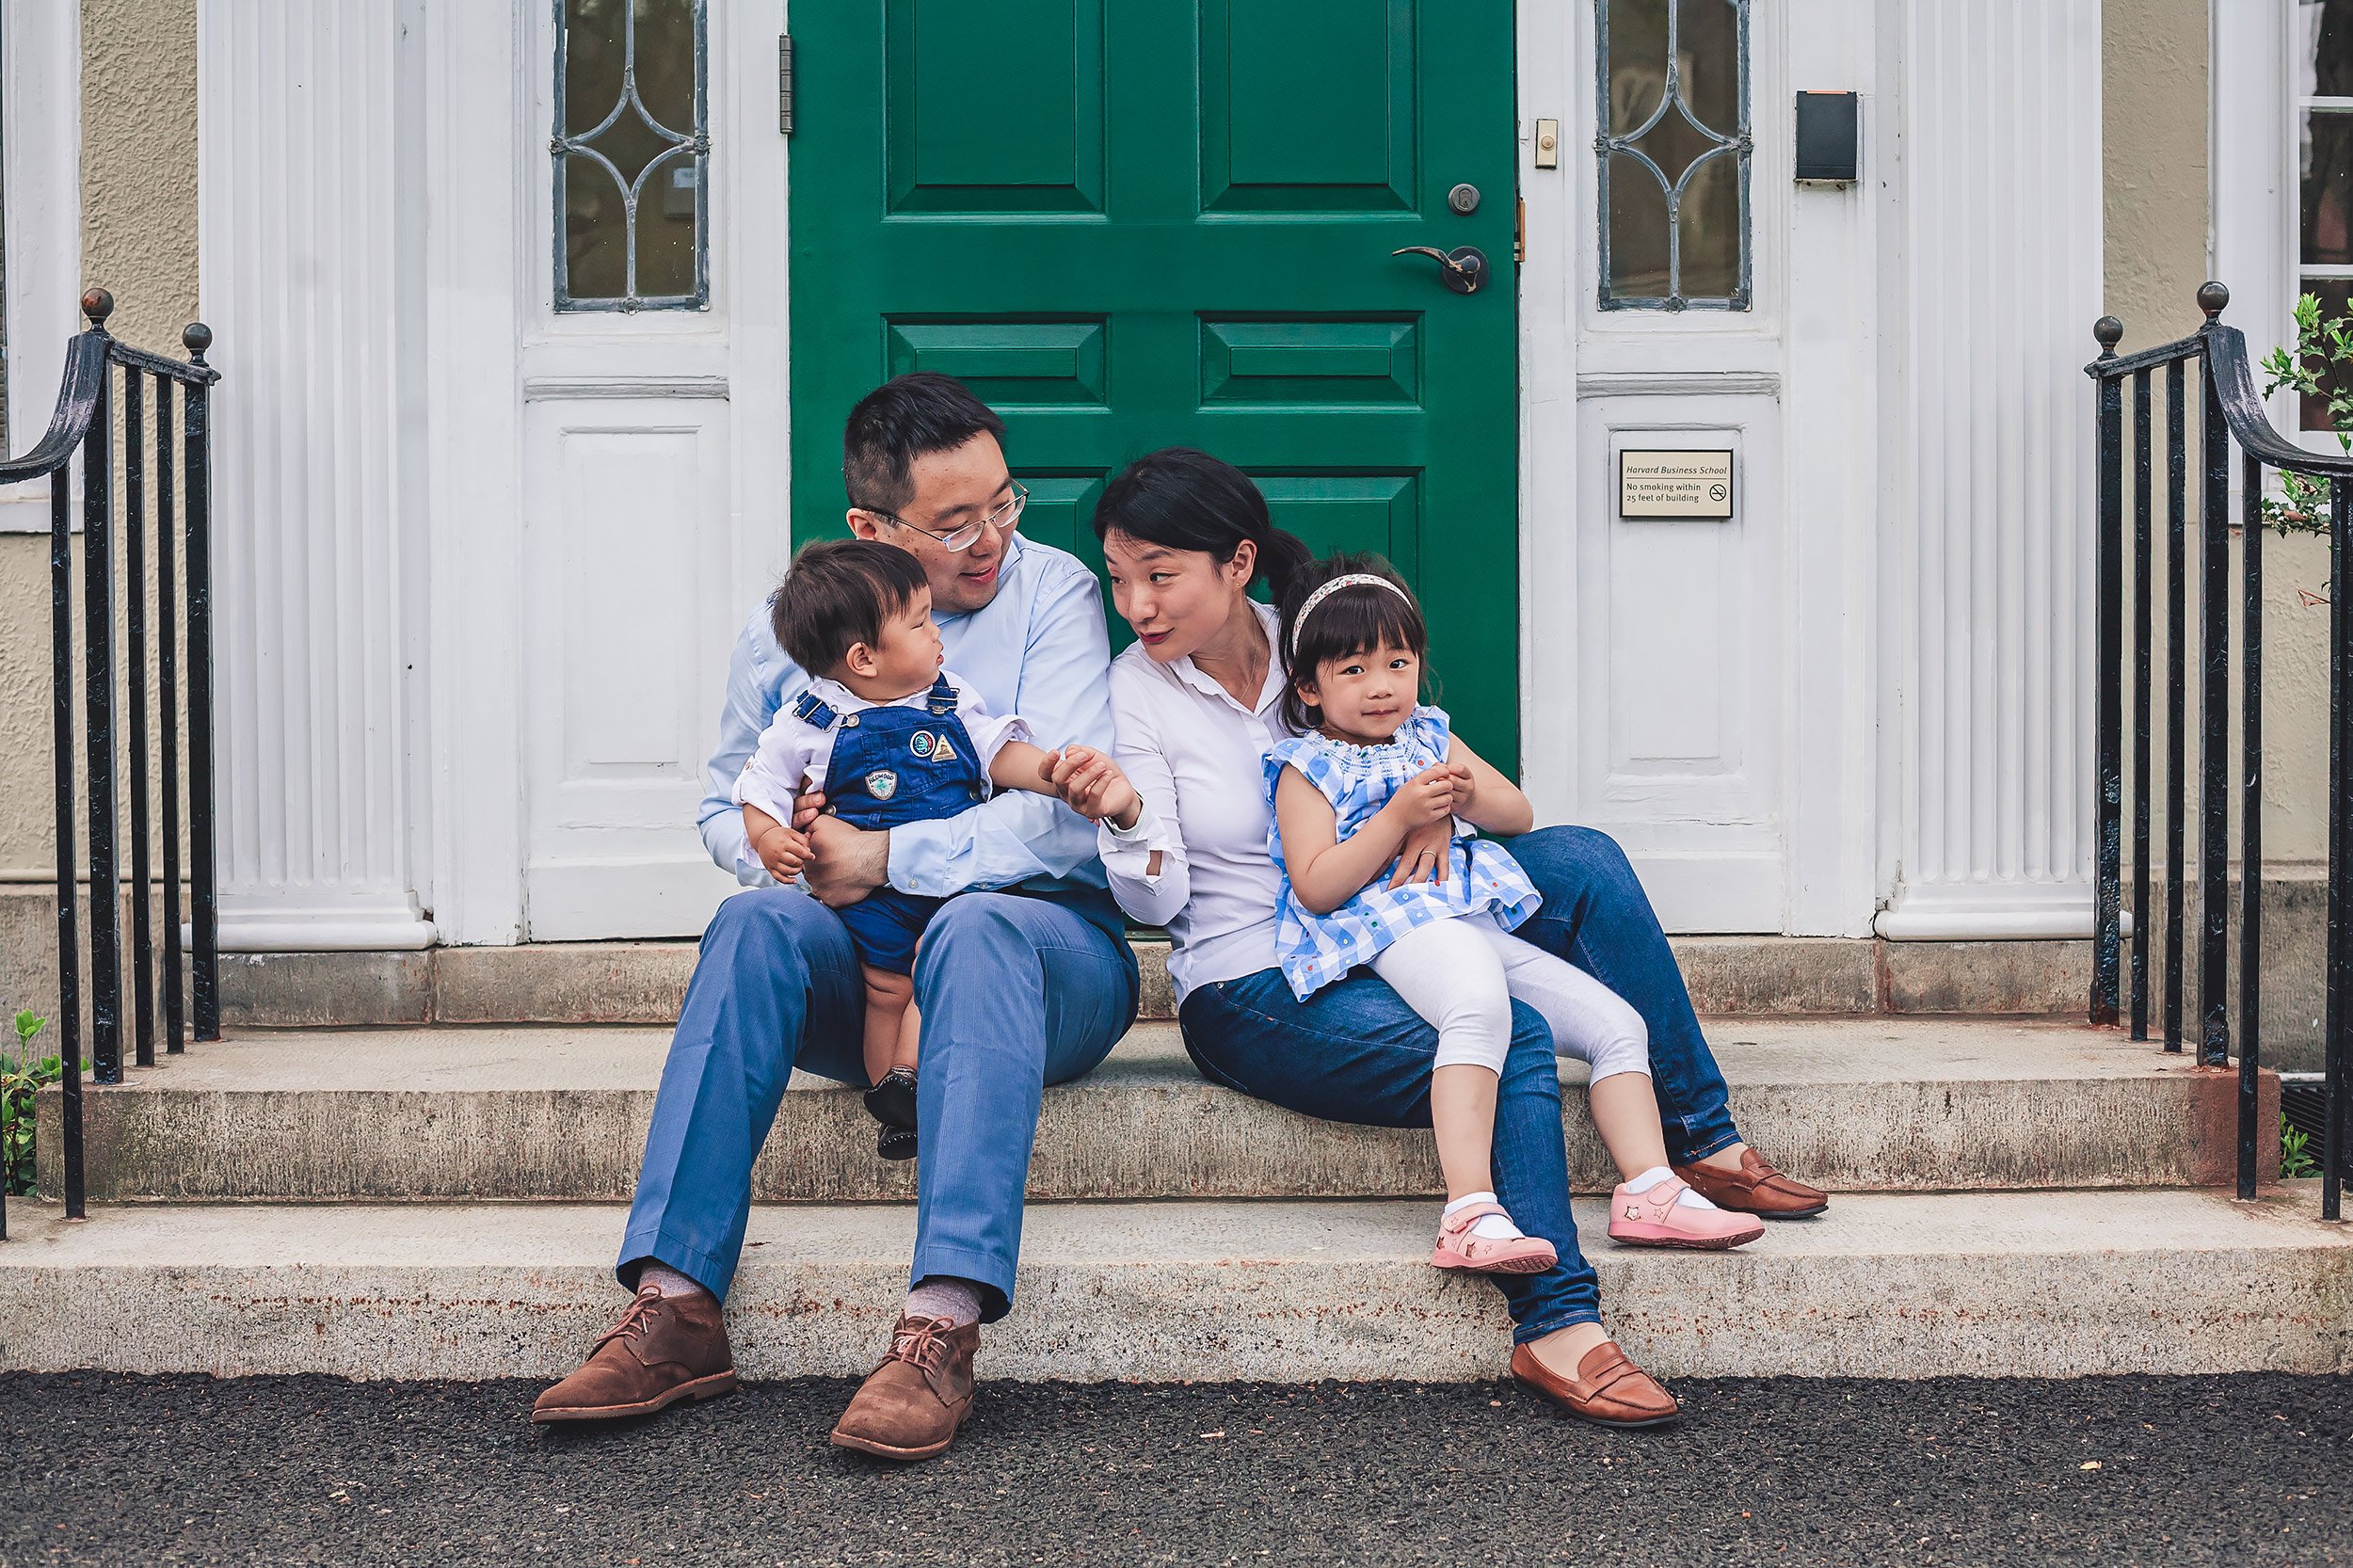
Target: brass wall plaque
1688	484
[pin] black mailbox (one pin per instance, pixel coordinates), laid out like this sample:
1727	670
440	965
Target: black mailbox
1829	144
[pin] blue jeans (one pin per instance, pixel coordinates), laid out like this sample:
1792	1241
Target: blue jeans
1016	993
1355	1052
1596	916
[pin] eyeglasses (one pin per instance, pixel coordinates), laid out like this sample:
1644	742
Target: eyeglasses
1006	517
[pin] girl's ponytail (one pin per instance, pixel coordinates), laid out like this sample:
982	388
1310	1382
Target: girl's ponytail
1181	499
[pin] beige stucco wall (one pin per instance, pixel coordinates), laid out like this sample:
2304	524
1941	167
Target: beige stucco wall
2153	112
138	240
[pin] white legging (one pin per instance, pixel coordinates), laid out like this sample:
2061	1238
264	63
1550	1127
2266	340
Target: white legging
1462	975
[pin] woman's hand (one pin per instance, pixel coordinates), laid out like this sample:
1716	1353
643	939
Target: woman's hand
1091	784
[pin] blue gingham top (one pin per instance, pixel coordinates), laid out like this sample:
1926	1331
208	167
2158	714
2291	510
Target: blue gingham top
1358	780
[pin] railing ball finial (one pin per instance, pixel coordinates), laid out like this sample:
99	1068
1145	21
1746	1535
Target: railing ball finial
2108	331
198	338
98	305
2212	298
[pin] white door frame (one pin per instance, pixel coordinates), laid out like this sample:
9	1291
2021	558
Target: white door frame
493	341
1812	337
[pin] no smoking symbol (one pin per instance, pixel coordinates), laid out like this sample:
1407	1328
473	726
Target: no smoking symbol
1717	493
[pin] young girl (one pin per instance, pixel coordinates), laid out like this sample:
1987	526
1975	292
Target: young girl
1369	771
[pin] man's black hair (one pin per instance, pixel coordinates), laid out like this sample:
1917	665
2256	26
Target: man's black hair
837	595
899	421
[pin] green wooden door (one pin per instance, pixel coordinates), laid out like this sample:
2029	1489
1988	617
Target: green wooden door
1128	224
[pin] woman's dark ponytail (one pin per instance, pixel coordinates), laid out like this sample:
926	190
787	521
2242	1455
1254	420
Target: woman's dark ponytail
1180	498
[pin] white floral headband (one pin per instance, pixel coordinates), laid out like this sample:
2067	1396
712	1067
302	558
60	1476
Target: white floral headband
1353	580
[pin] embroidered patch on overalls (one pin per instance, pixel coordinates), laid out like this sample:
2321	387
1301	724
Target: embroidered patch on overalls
943	750
882	783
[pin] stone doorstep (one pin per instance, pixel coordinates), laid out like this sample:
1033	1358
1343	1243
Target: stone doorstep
642	983
2039	1285
442	1113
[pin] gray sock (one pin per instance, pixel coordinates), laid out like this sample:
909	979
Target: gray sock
946	1296
668	1281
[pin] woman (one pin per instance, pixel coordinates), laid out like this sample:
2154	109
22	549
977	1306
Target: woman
1196	702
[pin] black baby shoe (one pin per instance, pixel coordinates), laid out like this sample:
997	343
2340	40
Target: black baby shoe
891	1102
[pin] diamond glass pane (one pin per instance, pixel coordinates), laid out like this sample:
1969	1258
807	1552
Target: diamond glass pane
1674	148
631	156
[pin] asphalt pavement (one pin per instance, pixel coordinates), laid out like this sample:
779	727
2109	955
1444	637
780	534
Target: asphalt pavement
2249	1471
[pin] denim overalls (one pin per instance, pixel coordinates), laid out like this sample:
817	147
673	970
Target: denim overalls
894	765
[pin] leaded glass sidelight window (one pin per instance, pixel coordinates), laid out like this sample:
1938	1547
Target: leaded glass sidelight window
632	156
2324	211
1674	149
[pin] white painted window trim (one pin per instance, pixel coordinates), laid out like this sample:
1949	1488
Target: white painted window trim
2251	139
41	135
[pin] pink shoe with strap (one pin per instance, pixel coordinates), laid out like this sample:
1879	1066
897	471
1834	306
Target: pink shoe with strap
1656	1219
1458	1248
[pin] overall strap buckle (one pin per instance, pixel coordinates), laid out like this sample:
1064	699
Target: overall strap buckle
808	709
942	701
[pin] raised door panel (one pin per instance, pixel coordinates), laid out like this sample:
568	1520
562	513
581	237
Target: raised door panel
1278	135
1679	633
629	614
994	108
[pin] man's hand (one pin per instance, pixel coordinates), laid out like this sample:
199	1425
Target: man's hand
1091	784
845	863
1425	855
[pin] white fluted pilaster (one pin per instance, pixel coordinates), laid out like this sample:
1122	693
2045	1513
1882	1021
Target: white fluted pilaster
298	252
1990	606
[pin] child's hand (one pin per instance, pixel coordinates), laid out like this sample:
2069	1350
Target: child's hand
1427	799
1465	785
783	850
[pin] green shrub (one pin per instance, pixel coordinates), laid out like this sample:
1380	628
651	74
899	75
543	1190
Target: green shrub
2295	1152
20	1076
2302	507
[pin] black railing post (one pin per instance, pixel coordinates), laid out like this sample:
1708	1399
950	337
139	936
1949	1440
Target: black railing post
167	655
201	835
2142	503
2214	707
2176	695
2110	653
134	693
98	698
2337	1060
61	733
2251	830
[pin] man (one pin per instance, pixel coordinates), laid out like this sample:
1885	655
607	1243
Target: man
1026	980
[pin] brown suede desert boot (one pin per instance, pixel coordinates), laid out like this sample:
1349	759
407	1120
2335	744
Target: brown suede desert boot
910	1406
663	1349
1755	1188
1609	1390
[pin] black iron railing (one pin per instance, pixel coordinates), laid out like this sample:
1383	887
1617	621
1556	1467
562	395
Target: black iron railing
2228	414
123	759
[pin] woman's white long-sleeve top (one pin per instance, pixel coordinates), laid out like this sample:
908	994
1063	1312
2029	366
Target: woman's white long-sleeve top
1195	755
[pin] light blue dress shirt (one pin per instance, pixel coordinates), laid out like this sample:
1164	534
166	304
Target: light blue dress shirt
1037	649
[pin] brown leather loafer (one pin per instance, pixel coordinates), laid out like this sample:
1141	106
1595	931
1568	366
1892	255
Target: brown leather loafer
910	1406
663	1349
1755	1188
1609	1390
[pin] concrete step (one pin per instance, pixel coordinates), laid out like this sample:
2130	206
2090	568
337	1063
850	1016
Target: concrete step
2038	1284
1884	1104
641	983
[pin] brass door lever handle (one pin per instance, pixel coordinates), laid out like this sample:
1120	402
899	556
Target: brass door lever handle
1462	269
